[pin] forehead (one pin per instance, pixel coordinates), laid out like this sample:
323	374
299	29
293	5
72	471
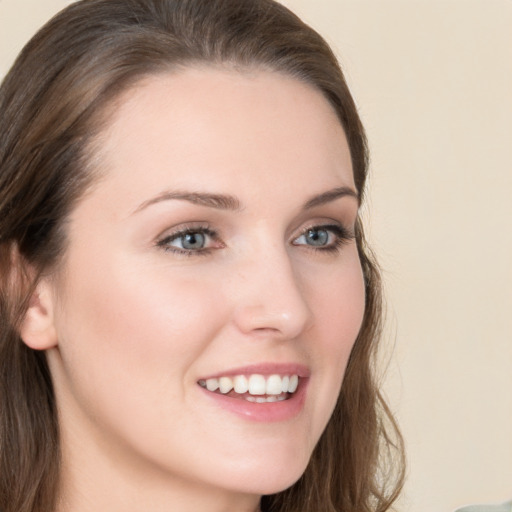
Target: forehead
206	124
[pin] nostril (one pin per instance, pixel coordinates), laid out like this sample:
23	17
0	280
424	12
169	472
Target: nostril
271	321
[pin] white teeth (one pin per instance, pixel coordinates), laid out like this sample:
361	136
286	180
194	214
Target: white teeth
225	385
258	385
241	384
294	382
262	400
212	384
274	385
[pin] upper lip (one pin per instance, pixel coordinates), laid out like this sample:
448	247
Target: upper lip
298	369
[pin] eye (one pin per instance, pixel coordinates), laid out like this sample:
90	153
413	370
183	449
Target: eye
316	237
190	241
328	237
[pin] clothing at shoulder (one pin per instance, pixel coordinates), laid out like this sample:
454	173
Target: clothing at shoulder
504	507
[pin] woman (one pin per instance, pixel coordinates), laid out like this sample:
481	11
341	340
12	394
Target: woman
189	309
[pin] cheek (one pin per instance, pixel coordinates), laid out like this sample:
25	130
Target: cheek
139	310
127	337
339	311
339	306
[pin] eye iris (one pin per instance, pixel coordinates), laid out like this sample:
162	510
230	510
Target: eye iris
193	241
317	237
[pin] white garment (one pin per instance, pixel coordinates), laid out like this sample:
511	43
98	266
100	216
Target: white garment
504	507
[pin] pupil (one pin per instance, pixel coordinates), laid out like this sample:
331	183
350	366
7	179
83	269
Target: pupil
193	241
318	237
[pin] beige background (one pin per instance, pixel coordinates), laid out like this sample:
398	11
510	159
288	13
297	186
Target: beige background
433	80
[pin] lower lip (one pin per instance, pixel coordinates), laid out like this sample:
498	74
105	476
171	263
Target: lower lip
268	412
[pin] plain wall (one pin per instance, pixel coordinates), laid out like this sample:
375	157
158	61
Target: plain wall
433	81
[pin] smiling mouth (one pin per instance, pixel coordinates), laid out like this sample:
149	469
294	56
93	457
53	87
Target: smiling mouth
255	388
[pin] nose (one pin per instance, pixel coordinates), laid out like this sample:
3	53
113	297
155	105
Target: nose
271	298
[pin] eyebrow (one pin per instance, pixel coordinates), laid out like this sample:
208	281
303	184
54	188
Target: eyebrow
217	201
329	196
228	202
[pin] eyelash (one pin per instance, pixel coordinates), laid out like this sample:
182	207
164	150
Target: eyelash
341	233
203	230
342	237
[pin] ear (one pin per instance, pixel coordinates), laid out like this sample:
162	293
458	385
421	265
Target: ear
37	328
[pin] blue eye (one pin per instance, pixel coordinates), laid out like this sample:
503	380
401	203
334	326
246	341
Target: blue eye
327	238
188	241
191	241
316	237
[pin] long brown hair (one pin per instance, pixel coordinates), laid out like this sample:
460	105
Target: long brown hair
53	104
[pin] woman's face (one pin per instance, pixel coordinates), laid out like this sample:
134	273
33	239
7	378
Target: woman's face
216	250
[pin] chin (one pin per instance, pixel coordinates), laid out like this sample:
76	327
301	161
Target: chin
274	485
266	484
269	476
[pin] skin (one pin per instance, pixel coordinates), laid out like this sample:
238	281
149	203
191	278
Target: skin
130	326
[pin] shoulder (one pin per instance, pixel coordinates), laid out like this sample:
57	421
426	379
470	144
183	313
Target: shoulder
504	507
